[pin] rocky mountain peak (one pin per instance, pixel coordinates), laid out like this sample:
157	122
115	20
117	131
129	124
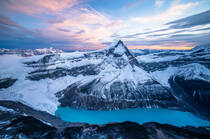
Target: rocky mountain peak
201	49
120	43
119	50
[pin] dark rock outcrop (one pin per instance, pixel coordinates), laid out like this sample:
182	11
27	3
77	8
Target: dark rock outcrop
187	98
110	78
29	127
198	90
61	72
20	121
7	82
145	95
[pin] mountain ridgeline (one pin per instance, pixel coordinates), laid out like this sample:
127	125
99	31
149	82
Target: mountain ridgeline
110	79
113	78
32	88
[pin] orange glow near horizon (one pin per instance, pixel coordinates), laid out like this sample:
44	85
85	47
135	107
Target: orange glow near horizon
153	47
158	47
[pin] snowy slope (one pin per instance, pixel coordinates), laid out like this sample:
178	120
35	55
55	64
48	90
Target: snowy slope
39	95
118	82
191	65
192	71
110	77
154	58
138	51
201	49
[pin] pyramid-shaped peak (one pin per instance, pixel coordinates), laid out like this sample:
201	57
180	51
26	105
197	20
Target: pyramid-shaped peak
119	48
120	44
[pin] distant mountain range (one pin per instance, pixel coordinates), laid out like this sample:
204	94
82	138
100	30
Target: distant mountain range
29	52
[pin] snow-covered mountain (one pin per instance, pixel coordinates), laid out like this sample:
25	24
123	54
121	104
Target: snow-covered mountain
193	64
190	72
104	79
201	49
111	78
29	52
194	72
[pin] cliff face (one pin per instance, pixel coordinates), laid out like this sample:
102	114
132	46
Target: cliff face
14	125
105	79
111	78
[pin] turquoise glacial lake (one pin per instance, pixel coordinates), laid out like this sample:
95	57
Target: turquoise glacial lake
139	115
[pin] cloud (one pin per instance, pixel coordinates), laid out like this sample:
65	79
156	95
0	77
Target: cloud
86	25
192	31
178	41
159	3
14	35
132	4
72	26
69	25
9	28
8	22
173	12
195	20
56	20
144	33
80	32
64	30
37	6
203	29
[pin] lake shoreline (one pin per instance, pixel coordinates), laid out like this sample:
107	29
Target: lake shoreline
138	115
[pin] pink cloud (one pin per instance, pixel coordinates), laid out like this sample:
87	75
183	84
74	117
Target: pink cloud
39	6
86	25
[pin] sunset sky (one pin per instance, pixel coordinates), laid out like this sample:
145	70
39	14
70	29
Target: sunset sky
95	24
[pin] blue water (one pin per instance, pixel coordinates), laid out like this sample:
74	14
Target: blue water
139	115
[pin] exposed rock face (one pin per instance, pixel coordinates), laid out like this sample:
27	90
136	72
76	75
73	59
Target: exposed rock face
113	78
12	109
29	127
199	90
105	79
195	81
109	79
6	82
185	91
37	124
145	95
119	50
61	72
191	86
119	83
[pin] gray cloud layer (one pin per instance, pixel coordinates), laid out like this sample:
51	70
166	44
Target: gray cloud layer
191	21
14	35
